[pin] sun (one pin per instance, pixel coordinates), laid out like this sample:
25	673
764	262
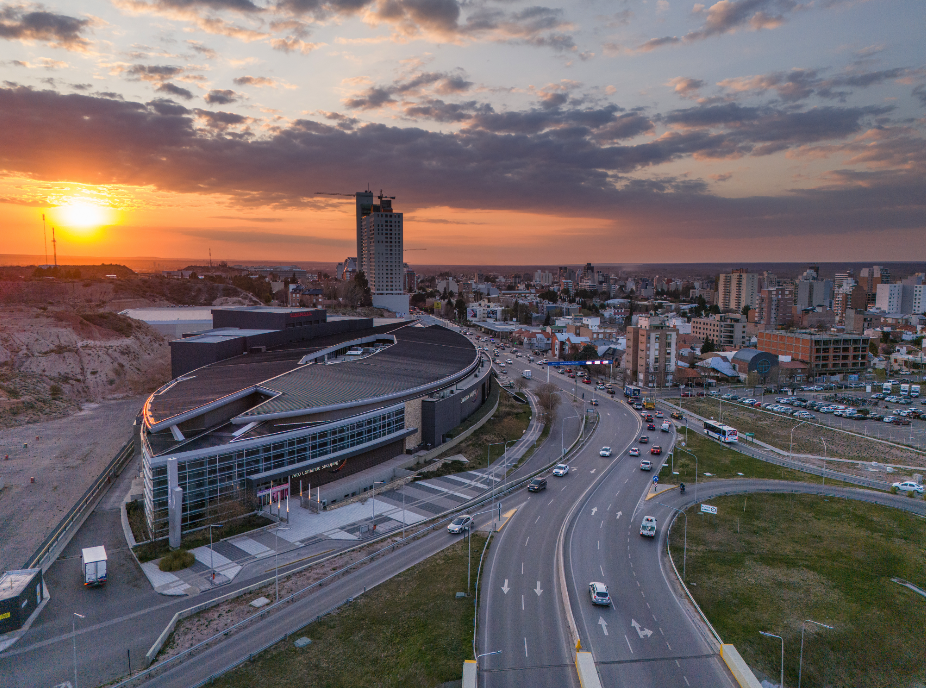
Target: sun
84	214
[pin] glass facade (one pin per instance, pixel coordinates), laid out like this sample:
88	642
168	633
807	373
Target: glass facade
210	480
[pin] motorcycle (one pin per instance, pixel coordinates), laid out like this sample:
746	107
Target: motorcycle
682	488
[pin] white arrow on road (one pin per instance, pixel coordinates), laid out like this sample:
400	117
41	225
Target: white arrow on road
603	624
619	513
593	470
505	587
594	509
537	589
642	632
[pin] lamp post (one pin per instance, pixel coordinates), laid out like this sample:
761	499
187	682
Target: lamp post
375	483
696	467
211	562
685	548
478	657
824	460
791	445
801	662
74	638
772	635
276	564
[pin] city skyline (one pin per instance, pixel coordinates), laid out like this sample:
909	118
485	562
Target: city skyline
736	130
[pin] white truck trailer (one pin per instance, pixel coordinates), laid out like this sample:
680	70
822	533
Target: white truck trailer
93	561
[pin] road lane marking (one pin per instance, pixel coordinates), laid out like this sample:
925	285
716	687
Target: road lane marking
686	680
677	664
619	513
594	509
525	646
628	643
610	505
548	504
602	570
593	470
522	568
522	603
538	518
667	645
660	630
602	523
505	587
537	589
603	624
642	632
599	544
527	540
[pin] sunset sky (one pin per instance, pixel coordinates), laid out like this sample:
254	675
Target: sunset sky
510	132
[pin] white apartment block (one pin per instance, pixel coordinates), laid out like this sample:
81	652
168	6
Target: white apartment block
737	290
383	249
897	298
919	299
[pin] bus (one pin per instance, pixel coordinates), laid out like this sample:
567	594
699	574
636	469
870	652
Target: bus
724	433
632	391
649	403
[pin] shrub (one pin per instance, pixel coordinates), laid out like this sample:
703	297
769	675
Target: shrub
911	493
176	560
894	489
55	391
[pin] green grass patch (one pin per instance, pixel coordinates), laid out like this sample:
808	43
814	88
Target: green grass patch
768	562
409	632
176	560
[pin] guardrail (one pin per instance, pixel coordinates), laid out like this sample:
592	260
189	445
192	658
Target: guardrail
435	522
39	557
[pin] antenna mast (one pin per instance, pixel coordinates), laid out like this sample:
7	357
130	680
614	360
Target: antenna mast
54	246
210	258
45	236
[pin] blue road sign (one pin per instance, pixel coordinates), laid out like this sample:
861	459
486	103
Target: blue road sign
579	363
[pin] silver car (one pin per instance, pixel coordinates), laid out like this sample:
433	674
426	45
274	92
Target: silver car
460	524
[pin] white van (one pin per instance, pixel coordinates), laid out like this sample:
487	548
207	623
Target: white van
526	374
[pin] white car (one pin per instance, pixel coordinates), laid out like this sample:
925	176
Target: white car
599	594
605	451
909	486
634	451
460	524
560	469
648	527
646	465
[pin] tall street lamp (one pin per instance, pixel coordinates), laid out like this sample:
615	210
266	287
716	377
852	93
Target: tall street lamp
211	562
74	638
801	662
772	635
375	483
484	654
276	562
685	549
791	445
824	460
677	448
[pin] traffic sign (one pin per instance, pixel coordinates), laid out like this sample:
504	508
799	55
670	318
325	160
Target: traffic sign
708	509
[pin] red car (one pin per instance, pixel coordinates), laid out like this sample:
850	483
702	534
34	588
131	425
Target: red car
586	381
656	450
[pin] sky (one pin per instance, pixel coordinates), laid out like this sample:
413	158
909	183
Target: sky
509	132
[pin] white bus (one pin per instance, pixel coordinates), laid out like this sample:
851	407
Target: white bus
724	433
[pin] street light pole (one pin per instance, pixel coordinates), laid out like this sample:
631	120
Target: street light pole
800	664
478	657
791	445
685	548
74	638
824	460
211	562
772	635
375	483
696	467
276	564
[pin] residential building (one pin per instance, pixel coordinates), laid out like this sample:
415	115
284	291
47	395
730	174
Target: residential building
651	352
543	278
859	321
738	289
566	344
896	298
411	280
725	330
919	299
382	257
824	353
813	293
776	305
364	200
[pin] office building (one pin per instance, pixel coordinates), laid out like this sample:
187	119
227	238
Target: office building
825	354
738	289
651	353
364	201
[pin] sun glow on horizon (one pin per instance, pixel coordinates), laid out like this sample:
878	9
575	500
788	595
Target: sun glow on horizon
83	214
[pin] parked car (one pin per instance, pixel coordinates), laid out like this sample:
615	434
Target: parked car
599	594
537	484
605	451
909	486
560	469
646	465
460	524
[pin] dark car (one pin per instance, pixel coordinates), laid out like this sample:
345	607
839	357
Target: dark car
537	484
656	450
651	427
643	439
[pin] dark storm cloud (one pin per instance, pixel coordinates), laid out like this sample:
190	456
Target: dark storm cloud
174	90
221	97
35	24
563	169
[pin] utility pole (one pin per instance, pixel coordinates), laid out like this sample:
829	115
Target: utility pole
45	237
54	246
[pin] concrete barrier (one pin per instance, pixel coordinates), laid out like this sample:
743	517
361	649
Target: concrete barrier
588	674
738	667
469	673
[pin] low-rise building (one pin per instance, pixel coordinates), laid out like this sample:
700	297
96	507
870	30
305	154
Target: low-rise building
725	330
825	354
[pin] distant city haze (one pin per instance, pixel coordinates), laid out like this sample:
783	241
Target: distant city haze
509	133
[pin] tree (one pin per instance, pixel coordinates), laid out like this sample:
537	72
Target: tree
546	320
361	281
708	346
548	397
746	310
549	295
588	352
460	308
418	299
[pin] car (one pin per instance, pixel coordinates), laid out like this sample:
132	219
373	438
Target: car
909	486
605	451
594	402
666	426
646	465
460	524
643	439
509	361
560	469
659	414
655	449
599	386
648	417
634	451
648	527
586	381
678	415
651	427
611	391
599	594
537	484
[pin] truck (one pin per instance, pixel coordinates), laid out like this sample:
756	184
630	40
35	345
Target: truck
649	403
887	388
914	391
93	562
526	375
905	390
632	392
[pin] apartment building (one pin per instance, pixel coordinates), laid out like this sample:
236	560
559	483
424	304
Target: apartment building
824	353
738	289
651	353
725	330
776	306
